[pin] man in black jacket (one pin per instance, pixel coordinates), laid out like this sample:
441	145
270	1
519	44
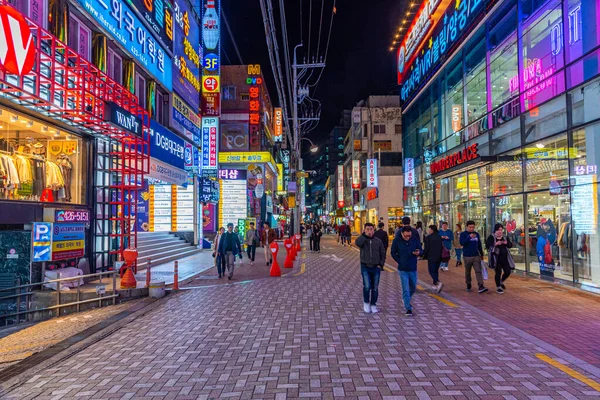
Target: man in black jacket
433	255
382	235
372	261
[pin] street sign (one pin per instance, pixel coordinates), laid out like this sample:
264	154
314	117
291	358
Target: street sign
41	242
68	241
302	174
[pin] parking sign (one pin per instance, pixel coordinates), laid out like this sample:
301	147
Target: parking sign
41	248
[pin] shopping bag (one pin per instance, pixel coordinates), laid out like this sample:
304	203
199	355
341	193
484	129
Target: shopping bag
484	269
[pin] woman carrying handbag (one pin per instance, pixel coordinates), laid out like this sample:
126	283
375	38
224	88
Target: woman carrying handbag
500	259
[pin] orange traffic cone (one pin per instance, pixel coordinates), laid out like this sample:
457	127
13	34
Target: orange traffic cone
128	281
275	269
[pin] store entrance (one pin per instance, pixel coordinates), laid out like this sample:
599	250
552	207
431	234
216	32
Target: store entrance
508	211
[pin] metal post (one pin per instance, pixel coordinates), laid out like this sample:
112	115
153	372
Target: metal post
176	276
114	288
19	301
78	295
296	134
58	294
148	273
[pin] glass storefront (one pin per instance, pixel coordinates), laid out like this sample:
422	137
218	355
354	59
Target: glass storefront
530	98
40	162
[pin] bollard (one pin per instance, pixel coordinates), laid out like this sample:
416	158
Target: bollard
176	277
298	240
275	269
289	262
148	273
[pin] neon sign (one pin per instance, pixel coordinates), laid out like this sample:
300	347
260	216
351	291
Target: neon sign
458	158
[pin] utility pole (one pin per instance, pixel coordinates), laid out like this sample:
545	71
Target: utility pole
297	136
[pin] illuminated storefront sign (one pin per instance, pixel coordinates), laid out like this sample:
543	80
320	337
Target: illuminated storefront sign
122	118
185	120
410	179
234	136
372	173
254	105
340	186
278	135
458	158
372	194
584	204
279	178
355	174
233	174
456	117
122	25
303	194
166	146
18	49
159	15
210	134
258	157
450	22
233	204
186	57
382	145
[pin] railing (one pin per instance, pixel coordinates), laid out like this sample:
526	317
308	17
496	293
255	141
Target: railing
24	291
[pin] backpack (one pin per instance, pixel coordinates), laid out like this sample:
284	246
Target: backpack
445	254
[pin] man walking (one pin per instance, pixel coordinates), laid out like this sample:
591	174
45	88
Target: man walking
372	261
472	254
251	242
268	236
406	248
447	236
406	222
382	235
229	247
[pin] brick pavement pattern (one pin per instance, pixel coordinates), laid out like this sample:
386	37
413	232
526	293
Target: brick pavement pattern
306	337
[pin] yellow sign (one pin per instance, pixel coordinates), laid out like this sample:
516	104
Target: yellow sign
174	208
383	145
254	69
292	201
235	158
56	147
561	152
211	84
302	174
151	208
68	245
357	145
279	177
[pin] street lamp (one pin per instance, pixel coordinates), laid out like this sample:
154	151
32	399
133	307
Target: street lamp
313	148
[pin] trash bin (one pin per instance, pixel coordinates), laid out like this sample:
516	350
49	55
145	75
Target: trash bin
157	289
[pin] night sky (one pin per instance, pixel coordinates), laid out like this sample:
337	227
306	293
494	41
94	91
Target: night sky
358	64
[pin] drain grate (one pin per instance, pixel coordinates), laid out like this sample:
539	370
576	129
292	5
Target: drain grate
540	289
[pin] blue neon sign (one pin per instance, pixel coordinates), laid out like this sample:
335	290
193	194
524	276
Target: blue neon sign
122	24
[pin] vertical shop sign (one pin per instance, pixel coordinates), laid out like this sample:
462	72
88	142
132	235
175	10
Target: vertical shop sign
159	15
210	134
409	172
186	120
254	116
340	186
279	178
372	178
278	136
355	174
303	194
456	117
186	57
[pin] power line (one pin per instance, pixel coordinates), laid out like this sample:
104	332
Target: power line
232	38
286	48
320	27
309	28
333	11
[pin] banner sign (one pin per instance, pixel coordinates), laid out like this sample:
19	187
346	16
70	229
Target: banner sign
355	174
186	54
159	15
372	173
257	157
409	172
122	119
233	174
121	23
210	134
340	185
185	120
234	137
68	241
211	50
278	135
166	146
167	173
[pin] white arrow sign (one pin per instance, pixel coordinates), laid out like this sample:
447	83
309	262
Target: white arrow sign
333	257
41	253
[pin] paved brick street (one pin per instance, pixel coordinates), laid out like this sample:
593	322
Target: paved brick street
306	336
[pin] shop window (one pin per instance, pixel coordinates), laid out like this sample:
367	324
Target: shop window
581	238
442	190
458	187
546	120
476	77
506	177
37	10
80	38
454	96
40	162
115	66
502	24
508	211
162	112
548	218
504	76
585	155
477	128
576	42
584	102
229	92
427	188
398	129
379	129
477	183
547	165
140	90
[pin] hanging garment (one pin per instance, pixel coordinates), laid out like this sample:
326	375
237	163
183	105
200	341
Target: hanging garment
25	171
66	169
39	177
54	178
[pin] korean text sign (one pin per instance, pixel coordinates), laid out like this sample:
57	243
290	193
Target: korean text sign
210	134
166	146
186	54
122	24
159	15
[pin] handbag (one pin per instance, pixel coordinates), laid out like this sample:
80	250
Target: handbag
511	262
484	269
445	254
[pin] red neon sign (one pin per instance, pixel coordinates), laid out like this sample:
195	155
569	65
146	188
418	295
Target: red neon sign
17	50
460	157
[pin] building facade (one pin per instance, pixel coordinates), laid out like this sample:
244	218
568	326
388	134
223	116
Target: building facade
501	125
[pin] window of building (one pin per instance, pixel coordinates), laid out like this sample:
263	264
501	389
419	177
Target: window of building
115	66
504	75
547	164
140	90
580	13
391	159
454	97
80	38
475	70
40	162
229	92
37	10
244	96
398	129
379	129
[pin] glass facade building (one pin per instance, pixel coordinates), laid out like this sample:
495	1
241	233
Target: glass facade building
505	128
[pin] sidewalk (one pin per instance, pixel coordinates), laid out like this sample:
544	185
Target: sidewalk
188	268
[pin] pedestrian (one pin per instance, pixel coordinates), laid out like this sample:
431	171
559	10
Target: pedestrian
219	260
372	261
342	230
268	236
499	258
251	242
406	222
458	249
433	254
229	247
309	234
419	228
472	254
382	235
406	249
348	235
316	232
447	236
